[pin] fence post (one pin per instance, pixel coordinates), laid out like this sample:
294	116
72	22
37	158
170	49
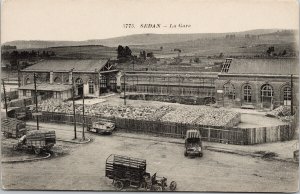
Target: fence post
208	134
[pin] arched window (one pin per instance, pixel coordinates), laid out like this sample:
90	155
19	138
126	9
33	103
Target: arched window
267	91
287	96
247	93
91	87
27	81
103	81
229	91
79	81
57	80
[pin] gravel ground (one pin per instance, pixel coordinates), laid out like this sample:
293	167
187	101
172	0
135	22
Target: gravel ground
257	120
83	168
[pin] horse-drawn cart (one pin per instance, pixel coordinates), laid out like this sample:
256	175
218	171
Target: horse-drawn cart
37	141
131	172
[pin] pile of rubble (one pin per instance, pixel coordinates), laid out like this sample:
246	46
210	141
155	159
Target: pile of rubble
203	116
104	110
281	111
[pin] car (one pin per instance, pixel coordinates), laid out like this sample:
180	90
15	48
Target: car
102	127
193	143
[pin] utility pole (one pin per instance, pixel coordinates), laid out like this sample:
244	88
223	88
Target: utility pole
74	110
83	119
19	80
292	101
5	100
36	102
124	89
133	65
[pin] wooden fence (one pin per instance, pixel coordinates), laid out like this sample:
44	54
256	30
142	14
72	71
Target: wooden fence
230	135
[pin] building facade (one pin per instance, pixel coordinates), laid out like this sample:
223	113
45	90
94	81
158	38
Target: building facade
200	84
55	77
258	83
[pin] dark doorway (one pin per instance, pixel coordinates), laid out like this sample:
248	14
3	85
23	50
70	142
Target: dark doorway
79	85
80	90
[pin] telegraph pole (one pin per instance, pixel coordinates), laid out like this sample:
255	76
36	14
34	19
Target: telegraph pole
36	102
83	121
292	101
124	89
19	80
74	111
5	100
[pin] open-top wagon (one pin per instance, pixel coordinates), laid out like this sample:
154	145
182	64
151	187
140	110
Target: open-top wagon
37	141
131	172
14	128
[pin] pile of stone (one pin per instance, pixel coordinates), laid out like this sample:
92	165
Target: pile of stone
104	110
282	111
202	115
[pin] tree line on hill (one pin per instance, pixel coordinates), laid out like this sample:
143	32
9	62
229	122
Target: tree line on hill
124	54
25	57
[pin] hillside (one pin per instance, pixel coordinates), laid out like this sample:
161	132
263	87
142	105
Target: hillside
136	39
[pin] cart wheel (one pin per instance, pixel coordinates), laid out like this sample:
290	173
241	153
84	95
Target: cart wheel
37	151
119	185
173	186
6	135
157	188
143	185
185	154
15	147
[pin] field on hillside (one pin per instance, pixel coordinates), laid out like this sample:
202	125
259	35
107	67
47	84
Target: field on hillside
163	45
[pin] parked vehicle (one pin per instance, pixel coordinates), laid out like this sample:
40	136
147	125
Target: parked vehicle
37	141
193	143
21	113
102	127
14	128
296	155
131	172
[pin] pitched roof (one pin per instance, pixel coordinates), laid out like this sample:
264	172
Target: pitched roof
264	66
67	65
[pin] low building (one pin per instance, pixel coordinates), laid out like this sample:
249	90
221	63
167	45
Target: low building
258	83
54	78
189	84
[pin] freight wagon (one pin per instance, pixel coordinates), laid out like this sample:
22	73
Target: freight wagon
37	141
13	128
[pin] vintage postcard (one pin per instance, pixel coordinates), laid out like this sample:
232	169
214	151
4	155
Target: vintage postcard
150	95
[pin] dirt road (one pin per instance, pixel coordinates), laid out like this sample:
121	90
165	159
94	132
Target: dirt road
83	168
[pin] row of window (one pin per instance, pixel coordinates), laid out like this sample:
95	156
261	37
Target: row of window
170	90
266	92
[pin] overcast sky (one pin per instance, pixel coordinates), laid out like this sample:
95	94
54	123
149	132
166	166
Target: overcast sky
98	19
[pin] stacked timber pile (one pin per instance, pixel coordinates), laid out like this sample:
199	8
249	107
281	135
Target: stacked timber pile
202	115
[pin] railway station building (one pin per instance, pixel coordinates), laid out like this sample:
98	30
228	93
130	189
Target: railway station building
54	78
258	83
